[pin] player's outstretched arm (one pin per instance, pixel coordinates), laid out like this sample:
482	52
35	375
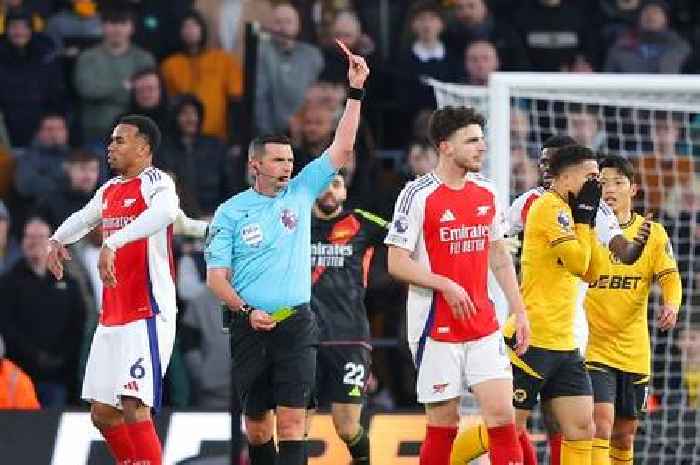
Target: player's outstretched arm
404	268
56	255
73	228
342	146
627	251
501	265
186	226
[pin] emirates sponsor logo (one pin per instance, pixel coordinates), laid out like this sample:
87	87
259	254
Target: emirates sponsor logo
117	222
465	239
330	255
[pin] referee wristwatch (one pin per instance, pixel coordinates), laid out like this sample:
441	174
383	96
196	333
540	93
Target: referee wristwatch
245	310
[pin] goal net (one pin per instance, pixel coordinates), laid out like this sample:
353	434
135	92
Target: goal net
655	122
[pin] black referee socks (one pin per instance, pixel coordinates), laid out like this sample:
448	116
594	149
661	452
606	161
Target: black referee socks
291	453
359	447
264	454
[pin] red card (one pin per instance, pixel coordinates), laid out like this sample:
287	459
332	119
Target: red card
343	47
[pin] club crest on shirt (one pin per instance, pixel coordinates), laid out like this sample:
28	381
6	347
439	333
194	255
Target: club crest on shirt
340	234
288	219
252	234
563	220
482	210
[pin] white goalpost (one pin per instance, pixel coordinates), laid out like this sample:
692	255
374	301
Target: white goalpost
641	91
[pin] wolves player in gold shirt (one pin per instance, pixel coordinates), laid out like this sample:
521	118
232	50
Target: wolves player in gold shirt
557	250
618	355
556	253
472	442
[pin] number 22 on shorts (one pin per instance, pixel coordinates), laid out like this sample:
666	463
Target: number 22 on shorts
354	374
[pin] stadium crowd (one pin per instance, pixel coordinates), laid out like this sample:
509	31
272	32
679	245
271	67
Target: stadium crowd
70	68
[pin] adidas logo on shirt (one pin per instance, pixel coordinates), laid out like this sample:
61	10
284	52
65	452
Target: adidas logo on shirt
131	386
447	216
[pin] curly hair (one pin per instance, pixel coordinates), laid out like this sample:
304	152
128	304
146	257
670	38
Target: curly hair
448	120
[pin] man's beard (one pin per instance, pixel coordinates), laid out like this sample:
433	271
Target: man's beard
327	208
469	168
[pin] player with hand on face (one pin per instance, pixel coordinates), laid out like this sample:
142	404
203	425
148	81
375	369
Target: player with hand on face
607	227
557	252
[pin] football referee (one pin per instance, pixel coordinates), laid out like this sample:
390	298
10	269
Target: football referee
258	260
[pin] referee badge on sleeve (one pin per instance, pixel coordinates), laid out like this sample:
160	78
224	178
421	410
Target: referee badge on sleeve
213	231
401	224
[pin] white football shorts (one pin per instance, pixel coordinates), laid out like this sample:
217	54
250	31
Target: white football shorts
129	360
446	370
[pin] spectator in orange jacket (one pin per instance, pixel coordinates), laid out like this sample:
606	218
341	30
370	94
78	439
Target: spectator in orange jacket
213	75
665	168
16	388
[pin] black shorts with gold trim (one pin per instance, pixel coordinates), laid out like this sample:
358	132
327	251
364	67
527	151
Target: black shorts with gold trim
628	391
547	374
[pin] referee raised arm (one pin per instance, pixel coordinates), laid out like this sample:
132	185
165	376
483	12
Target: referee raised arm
258	261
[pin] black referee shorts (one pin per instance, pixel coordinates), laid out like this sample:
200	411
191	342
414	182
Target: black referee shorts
627	391
277	367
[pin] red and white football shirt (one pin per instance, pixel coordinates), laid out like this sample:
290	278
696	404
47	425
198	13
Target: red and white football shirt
145	267
449	232
136	216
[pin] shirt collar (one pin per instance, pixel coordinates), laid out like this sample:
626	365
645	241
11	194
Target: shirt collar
426	54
